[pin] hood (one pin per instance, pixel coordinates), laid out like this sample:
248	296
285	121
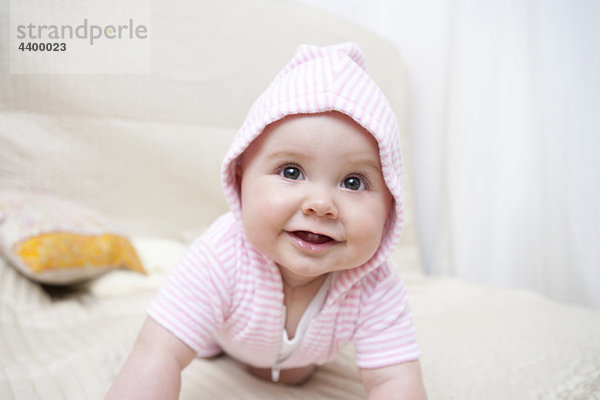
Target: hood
321	79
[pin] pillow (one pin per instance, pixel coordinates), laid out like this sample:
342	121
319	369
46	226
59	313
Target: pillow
55	241
159	256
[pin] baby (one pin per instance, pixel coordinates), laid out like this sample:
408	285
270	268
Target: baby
299	266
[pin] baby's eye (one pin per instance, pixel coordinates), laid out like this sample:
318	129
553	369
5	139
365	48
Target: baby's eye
291	172
353	183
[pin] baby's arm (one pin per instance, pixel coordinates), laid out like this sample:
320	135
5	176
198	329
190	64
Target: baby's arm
153	369
400	381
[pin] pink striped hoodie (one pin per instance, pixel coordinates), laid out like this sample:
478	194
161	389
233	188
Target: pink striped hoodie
226	296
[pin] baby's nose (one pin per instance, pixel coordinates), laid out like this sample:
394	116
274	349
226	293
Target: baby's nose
320	205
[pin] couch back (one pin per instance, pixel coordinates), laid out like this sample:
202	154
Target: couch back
146	149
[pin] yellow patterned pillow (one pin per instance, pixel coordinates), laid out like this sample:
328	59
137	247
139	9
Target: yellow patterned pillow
55	241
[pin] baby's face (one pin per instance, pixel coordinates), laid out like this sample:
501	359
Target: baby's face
313	195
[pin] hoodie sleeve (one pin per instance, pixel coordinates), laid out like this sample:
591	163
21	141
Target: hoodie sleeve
193	301
385	333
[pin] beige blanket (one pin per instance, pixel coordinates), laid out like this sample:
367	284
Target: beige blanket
478	342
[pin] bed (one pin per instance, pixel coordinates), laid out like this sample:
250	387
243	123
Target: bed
144	150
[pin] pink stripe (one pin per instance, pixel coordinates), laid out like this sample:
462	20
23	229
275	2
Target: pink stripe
358	92
390	340
181	324
318	75
388	288
371	101
278	99
385	308
292	95
266	312
181	307
328	75
194	282
343	80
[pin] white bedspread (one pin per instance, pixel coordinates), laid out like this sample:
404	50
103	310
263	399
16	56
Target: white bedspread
478	342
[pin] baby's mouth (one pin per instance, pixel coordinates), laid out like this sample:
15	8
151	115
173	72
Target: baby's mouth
312	238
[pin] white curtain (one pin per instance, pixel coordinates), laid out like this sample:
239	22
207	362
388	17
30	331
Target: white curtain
506	136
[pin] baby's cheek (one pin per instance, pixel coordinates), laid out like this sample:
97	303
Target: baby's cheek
255	230
367	232
371	240
262	213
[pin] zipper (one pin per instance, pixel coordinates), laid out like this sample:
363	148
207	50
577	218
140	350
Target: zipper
275	372
276	369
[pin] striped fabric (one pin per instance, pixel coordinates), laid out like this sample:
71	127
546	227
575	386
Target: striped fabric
225	295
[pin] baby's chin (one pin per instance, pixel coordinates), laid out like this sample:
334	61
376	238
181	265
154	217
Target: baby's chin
307	272
295	278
